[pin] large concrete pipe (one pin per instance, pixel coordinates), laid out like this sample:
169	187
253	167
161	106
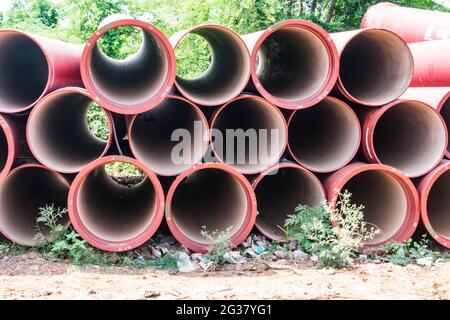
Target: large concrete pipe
326	137
58	133
135	84
248	133
279	190
406	134
437	97
112	215
376	65
390	199
294	63
214	196
229	69
431	63
22	193
434	190
171	137
33	66
413	25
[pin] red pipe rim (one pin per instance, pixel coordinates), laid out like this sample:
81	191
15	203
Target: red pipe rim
196	108
343	164
216	114
370	126
108	245
424	191
332	75
63	91
240	235
218	26
341	85
412	217
50	66
283	165
33	165
118	107
11	147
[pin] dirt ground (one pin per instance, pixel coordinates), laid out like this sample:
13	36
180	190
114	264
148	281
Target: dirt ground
30	277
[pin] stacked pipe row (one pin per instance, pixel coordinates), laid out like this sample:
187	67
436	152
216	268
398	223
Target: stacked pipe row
338	102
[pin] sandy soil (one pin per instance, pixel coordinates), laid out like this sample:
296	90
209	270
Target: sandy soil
30	277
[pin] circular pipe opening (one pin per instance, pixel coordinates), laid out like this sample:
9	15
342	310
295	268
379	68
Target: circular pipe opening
410	136
279	191
115	213
134	84
376	67
326	137
25	71
295	64
171	137
213	196
22	193
384	199
228	72
438	205
252	134
58	133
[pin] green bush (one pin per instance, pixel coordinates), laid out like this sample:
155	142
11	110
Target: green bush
193	55
62	243
410	251
97	121
333	246
219	244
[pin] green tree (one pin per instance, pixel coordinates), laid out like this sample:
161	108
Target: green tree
45	11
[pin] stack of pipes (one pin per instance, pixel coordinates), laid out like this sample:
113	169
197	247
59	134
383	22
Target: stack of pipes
364	111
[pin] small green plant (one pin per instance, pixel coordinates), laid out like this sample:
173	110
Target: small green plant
5	248
167	262
410	251
333	246
219	244
59	242
97	121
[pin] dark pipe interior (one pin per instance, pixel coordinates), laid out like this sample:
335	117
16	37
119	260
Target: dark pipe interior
228	72
293	64
212	198
438	205
376	67
445	113
22	193
278	195
133	80
59	134
3	149
24	73
247	152
411	137
151	136
115	211
384	200
325	137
